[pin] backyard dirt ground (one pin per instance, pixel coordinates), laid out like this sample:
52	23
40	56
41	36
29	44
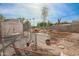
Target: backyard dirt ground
68	45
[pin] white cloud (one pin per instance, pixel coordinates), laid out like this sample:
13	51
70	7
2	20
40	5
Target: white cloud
28	10
34	8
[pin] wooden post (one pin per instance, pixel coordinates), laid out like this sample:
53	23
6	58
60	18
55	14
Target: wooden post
35	42
0	36
30	36
3	47
2	41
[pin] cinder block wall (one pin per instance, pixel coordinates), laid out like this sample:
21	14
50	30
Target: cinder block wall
70	28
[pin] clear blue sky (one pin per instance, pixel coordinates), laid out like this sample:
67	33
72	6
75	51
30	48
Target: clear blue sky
68	11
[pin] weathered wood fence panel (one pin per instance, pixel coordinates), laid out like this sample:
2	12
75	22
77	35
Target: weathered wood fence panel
10	27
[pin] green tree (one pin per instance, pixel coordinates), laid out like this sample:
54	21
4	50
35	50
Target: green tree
44	24
26	24
2	17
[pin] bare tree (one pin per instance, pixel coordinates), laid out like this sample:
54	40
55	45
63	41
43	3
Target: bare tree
59	20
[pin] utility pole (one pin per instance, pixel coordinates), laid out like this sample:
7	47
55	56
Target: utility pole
33	19
30	31
35	33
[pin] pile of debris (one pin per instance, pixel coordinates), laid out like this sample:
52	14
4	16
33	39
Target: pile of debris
30	51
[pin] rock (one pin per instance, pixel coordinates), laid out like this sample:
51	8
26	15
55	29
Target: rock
61	46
